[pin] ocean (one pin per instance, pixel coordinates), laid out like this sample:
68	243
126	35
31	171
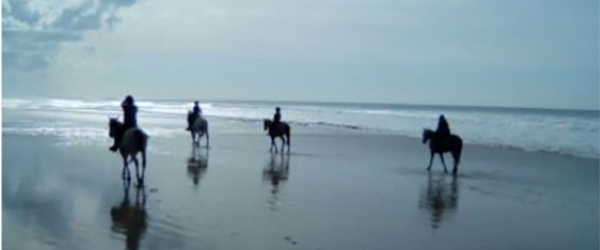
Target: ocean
569	132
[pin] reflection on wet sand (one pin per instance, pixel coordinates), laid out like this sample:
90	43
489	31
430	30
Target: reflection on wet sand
440	198
197	164
276	171
129	219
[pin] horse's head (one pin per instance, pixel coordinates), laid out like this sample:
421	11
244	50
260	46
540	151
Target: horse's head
427	134
113	126
267	124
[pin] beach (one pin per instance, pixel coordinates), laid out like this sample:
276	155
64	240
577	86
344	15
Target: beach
365	91
337	189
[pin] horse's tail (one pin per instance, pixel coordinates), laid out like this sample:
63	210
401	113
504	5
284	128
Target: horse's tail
459	145
204	126
289	135
142	141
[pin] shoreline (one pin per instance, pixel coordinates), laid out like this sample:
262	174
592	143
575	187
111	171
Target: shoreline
302	128
560	132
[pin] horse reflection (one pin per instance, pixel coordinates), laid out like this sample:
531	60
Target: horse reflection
129	219
197	164
440	199
277	171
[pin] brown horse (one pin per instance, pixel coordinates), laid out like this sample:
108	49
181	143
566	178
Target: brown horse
282	131
452	144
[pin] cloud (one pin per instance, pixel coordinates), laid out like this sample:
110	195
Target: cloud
34	30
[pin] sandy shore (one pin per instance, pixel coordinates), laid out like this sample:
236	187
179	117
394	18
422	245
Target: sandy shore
339	191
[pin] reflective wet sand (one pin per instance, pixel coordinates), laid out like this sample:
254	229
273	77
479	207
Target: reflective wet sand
331	192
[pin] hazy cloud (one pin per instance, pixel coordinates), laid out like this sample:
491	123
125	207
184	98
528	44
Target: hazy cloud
33	31
537	53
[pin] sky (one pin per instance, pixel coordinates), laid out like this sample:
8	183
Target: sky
510	53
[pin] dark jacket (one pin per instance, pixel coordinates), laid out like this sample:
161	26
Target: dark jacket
197	111
130	114
277	117
443	129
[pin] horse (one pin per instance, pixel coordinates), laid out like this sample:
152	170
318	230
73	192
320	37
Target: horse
453	144
134	141
282	131
198	129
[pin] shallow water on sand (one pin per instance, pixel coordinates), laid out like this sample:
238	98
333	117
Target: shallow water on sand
331	192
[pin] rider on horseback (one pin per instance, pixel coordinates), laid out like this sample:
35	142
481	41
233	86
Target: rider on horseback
129	117
192	116
276	118
443	130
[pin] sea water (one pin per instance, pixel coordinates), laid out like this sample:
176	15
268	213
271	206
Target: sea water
571	132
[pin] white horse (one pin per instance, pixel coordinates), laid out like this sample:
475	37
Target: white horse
198	129
134	141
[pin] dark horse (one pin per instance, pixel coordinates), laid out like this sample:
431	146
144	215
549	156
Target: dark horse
134	141
453	144
282	131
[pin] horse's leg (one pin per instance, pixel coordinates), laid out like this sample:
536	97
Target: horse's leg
123	173
456	156
283	142
137	166
443	163
143	164
430	161
273	145
454	169
288	141
126	167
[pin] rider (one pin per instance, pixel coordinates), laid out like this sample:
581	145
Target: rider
196	112
443	130
277	117
129	117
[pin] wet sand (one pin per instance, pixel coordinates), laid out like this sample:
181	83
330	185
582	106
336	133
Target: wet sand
338	191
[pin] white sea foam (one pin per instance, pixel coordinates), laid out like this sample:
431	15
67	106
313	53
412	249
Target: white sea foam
565	132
